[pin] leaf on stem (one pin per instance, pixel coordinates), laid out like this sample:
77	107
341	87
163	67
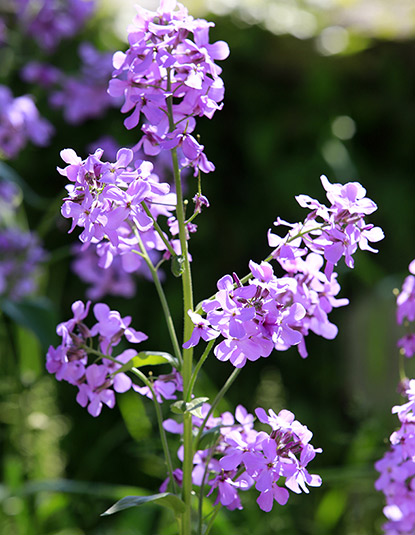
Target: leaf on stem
148	358
194	406
36	314
177	265
166	499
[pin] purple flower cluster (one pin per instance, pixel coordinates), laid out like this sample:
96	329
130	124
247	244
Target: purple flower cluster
104	199
20	122
278	312
111	281
96	383
333	231
397	467
397	471
163	72
50	21
83	96
242	457
405	312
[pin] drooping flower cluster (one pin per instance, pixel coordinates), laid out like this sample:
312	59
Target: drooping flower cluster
69	362
50	21
105	200
165	71
278	312
20	122
242	457
397	471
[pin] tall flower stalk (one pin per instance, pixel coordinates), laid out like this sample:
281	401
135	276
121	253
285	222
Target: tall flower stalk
167	78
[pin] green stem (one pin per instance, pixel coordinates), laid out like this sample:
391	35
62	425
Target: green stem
188	328
202	485
213	518
163	436
159	415
162	296
217	399
195	373
158	229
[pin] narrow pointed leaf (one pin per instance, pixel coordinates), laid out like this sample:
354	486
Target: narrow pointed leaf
165	499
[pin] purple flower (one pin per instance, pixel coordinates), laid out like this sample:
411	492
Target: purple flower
111	327
266	459
94	392
202	330
85	96
20	122
397	467
165	387
41	74
104	199
113	280
407	345
69	361
50	21
228	488
163	61
397	472
406	301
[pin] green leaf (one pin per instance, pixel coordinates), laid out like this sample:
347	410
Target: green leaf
35	314
178	407
148	358
134	415
154	358
166	499
194	406
177	265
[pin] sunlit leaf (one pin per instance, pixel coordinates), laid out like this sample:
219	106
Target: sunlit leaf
177	265
194	406
165	499
148	358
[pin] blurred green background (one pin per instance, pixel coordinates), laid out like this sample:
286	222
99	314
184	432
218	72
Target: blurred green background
312	87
